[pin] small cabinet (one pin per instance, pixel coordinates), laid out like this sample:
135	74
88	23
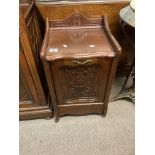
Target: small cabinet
80	56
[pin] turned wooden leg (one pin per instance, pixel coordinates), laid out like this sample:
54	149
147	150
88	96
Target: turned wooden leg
105	110
56	119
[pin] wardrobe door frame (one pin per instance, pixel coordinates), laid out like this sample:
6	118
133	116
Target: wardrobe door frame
40	107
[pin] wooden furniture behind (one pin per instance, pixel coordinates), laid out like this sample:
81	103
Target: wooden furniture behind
33	94
80	57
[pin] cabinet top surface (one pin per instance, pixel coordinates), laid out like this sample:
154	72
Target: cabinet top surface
78	42
77	37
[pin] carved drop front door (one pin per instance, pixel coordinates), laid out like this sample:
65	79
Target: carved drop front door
81	81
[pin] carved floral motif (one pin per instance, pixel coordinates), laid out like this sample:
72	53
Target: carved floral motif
80	82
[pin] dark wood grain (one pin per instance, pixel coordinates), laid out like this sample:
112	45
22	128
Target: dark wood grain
27	80
32	81
35	114
80	83
79	76
81	109
48	72
31	35
59	10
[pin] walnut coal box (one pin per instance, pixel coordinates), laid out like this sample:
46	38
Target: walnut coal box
79	56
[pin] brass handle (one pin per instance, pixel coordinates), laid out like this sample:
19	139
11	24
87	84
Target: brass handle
82	62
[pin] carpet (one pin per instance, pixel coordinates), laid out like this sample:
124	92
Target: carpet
82	135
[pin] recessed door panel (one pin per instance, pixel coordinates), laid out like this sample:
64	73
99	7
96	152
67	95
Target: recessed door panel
80	81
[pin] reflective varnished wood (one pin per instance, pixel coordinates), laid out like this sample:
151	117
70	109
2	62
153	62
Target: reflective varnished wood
80	56
59	10
33	93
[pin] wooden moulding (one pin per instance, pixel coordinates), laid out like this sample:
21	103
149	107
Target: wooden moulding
48	72
27	78
81	109
38	106
27	48
35	113
91	10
